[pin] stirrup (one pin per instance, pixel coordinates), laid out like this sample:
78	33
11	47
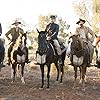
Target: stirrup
59	61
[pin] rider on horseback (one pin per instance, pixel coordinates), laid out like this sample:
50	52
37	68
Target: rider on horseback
15	33
52	30
83	31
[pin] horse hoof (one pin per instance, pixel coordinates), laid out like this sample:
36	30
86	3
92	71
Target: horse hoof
48	89
23	82
80	81
34	89
73	87
83	89
94	87
12	81
41	88
61	83
77	87
56	82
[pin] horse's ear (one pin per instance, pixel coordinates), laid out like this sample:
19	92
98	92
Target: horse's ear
96	35
37	30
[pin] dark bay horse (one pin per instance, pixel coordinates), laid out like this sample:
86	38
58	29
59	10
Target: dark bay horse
46	56
18	56
79	56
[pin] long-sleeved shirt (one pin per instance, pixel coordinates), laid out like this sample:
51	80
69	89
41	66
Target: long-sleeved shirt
52	30
83	32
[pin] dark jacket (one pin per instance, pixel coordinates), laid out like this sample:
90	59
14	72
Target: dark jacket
52	28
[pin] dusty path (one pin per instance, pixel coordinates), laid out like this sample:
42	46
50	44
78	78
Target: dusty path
31	91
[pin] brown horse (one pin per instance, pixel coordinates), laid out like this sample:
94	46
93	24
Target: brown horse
79	56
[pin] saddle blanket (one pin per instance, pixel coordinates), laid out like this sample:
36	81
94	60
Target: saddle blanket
77	61
21	59
41	59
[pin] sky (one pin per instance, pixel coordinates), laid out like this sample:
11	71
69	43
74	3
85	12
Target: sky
29	11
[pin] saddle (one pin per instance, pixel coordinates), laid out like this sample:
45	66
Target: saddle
53	46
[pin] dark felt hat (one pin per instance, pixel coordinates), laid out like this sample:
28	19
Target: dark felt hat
16	21
53	17
81	20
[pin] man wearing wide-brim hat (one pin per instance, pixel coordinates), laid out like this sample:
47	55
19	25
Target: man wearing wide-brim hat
83	32
15	33
52	30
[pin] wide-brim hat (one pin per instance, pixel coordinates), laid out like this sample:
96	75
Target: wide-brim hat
80	20
53	16
15	22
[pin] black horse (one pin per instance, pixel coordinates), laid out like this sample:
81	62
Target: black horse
46	56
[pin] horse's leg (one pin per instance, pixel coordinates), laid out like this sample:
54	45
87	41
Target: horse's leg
83	76
62	72
48	75
9	54
80	68
62	66
57	67
0	73
22	73
75	70
42	73
18	71
14	65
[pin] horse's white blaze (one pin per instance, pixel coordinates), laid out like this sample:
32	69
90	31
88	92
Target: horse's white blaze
22	79
21	58
68	51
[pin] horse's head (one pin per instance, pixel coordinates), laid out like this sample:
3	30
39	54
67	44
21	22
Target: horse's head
42	43
74	44
96	43
22	43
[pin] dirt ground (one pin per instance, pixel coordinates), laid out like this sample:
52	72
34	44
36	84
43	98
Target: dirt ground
30	90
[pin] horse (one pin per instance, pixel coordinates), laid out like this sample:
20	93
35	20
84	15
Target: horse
78	52
18	57
46	55
2	53
96	44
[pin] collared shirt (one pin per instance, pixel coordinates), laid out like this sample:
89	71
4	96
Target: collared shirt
82	33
